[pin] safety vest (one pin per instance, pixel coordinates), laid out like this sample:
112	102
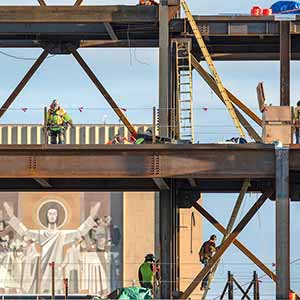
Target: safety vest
147	273
297	115
57	119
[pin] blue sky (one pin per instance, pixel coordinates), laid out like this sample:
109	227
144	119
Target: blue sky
130	75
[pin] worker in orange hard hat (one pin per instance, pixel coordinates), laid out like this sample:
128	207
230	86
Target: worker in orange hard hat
148	2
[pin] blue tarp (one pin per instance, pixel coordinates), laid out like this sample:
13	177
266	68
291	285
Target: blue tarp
286	7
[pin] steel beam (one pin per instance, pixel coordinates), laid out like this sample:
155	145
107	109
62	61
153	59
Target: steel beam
215	162
212	84
237	243
285	58
42	3
23	82
78	2
229	227
164	69
226	244
282	224
43	182
102	90
83	14
111	31
161	184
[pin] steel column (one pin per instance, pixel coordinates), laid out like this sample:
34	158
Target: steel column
164	68
23	82
168	242
285	58
282	224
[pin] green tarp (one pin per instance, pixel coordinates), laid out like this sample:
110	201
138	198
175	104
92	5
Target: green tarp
135	293
131	293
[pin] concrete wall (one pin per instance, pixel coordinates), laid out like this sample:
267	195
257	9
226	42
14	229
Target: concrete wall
190	243
80	134
138	233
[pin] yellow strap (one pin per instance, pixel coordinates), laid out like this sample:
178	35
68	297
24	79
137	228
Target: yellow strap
211	66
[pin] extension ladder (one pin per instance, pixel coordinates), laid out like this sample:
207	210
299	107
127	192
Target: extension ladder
211	66
184	85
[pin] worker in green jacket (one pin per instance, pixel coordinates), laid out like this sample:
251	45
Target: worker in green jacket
57	122
147	272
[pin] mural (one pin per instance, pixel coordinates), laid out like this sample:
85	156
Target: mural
75	231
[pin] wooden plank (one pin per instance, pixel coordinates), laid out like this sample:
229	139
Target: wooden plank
82	14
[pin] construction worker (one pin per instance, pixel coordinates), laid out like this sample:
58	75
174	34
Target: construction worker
206	252
57	122
297	122
148	2
147	272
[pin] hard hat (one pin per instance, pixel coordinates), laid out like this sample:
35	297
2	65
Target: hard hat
150	257
54	104
213	237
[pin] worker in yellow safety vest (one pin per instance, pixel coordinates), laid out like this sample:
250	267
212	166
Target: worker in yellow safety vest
297	122
147	272
57	122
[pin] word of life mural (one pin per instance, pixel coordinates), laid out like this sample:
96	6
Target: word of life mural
88	254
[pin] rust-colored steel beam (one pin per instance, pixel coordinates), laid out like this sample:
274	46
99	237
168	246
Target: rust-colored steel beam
223	162
229	228
225	245
103	91
210	81
237	243
80	14
78	2
42	3
23	82
248	127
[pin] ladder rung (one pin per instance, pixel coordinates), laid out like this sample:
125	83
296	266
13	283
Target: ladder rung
186	109
185	101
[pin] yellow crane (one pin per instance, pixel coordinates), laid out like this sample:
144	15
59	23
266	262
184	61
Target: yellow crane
211	66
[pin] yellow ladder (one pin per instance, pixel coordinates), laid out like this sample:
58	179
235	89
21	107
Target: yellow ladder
211	66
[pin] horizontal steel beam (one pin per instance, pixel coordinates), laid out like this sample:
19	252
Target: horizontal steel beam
81	14
139	161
